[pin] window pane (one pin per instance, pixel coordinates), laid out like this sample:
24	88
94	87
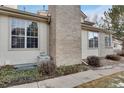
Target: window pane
17	42
96	43
90	38
32	42
32	29
106	41
109	40
21	28
95	40
14	22
18	31
18	27
91	43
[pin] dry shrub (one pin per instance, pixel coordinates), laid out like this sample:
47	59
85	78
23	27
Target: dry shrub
65	70
121	53
47	68
113	57
93	61
7	67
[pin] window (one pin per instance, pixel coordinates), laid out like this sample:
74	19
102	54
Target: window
93	39
32	35
115	45
107	41
24	34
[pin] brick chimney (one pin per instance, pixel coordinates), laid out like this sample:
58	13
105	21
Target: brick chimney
65	34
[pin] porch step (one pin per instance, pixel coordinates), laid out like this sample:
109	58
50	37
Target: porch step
25	66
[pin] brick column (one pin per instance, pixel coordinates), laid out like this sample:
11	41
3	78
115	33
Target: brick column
65	34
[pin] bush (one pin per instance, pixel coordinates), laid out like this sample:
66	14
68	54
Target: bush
121	53
65	70
10	76
113	57
47	68
7	67
93	61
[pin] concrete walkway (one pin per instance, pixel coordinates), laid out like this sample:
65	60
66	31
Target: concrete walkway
73	80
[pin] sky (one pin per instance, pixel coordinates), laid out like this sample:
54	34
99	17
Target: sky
95	10
90	10
32	8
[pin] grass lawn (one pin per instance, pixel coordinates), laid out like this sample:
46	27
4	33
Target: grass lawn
10	76
112	81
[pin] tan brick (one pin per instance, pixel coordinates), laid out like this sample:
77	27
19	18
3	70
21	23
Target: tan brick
65	34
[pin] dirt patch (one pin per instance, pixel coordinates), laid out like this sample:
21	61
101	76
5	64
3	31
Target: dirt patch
112	81
106	62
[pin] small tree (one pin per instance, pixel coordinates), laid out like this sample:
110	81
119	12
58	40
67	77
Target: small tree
114	20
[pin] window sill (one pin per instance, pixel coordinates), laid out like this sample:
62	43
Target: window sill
92	48
24	49
108	47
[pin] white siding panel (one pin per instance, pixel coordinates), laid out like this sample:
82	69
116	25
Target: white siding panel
86	51
8	56
103	51
100	51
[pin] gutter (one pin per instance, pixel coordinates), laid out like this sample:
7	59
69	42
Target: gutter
94	29
22	14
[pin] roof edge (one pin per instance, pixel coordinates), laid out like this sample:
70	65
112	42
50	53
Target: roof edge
19	13
85	16
95	29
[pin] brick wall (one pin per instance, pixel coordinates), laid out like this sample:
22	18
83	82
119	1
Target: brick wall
65	34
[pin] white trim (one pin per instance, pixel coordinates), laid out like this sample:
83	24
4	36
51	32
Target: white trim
24	49
38	35
25	36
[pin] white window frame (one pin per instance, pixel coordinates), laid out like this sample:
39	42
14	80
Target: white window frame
93	40
10	35
109	41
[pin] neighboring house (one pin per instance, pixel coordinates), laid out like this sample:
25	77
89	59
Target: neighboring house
64	35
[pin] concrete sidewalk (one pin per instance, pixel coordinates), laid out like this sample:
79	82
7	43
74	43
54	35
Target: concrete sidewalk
73	80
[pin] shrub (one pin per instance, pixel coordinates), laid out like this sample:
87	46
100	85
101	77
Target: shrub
121	53
65	70
10	76
7	67
47	68
93	61
113	57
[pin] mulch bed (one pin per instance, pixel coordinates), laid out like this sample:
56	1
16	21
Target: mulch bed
106	62
10	77
29	76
